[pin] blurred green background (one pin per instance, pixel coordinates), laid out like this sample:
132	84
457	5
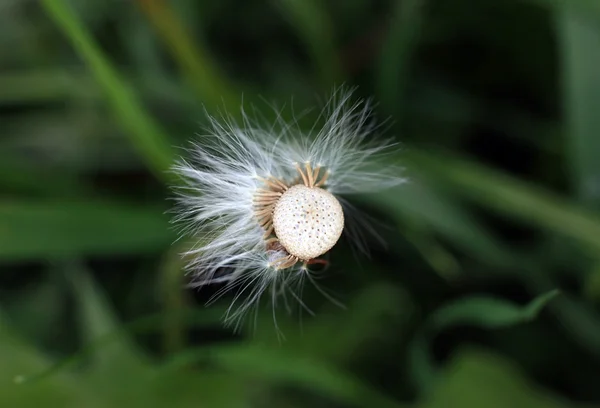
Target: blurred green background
487	294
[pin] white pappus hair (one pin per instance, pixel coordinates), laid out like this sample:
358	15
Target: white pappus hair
230	199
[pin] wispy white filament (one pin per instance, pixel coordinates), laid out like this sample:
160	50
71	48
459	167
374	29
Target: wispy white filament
227	166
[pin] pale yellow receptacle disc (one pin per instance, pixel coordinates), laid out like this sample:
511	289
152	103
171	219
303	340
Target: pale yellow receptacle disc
308	221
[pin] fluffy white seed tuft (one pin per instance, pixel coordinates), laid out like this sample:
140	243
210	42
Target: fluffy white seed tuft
234	176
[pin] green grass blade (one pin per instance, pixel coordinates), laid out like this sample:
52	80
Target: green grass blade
315	28
41	85
193	59
580	37
486	312
144	132
19	357
97	320
273	366
591	7
417	202
51	229
149	324
510	196
174	296
480	379
394	62
20	176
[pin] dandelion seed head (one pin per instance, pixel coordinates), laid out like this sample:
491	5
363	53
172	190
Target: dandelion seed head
263	201
308	221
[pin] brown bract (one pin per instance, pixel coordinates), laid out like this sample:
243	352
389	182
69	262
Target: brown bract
301	219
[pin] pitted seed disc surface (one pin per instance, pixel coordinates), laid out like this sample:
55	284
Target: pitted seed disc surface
308	221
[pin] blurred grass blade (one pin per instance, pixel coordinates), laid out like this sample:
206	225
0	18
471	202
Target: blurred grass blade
580	322
23	176
434	253
18	358
314	27
97	320
510	196
273	366
347	336
173	295
313	375
194	60
489	312
32	321
578	319
334	334
144	132
485	312
590	7
75	85
396	54
147	324
480	379
52	230
417	202
580	37
41	85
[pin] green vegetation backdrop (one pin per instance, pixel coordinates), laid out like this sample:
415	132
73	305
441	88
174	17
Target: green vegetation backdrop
487	294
